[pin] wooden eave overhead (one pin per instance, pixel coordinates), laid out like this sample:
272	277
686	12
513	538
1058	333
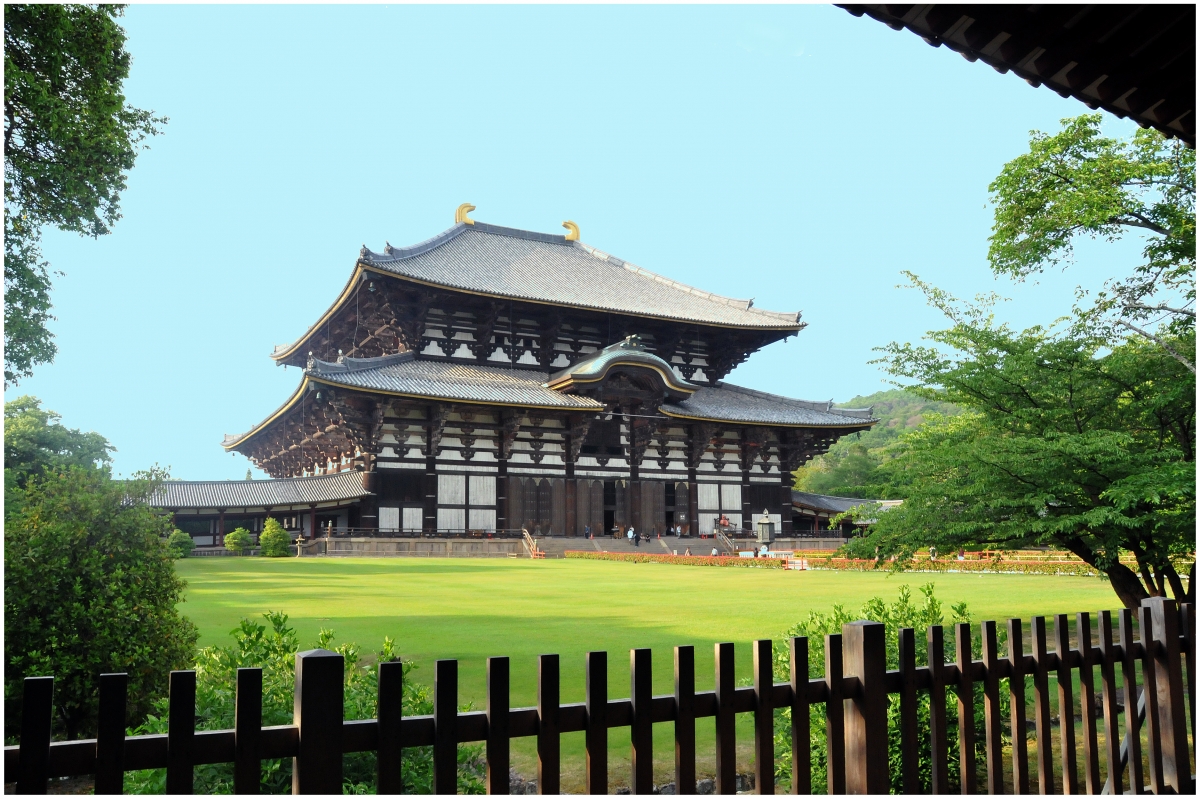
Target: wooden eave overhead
1136	61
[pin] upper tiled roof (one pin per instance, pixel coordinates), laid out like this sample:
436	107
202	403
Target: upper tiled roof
726	402
521	264
404	374
259	493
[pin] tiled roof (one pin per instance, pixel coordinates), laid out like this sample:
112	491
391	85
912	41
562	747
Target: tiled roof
404	374
726	402
521	264
259	493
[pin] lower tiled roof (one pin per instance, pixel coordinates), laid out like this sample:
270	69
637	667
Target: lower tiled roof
726	402
824	502
178	494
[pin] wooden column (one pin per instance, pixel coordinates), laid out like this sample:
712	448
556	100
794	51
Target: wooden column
633	501
693	509
219	538
785	495
502	493
744	461
572	496
312	522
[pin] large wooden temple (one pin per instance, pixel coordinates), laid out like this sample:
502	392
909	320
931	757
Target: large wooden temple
494	379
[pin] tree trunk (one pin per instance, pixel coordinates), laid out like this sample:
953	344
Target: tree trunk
1123	580
1176	583
1191	592
1160	582
1151	589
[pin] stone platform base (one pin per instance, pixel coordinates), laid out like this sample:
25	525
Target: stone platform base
420	548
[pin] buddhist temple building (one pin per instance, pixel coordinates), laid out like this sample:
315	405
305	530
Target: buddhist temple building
493	379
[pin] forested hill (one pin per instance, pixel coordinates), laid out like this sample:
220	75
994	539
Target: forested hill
849	468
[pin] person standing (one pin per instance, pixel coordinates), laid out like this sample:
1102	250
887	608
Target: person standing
633	535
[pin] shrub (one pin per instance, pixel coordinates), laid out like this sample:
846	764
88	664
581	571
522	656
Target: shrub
238	541
273	541
90	587
902	613
180	544
274	651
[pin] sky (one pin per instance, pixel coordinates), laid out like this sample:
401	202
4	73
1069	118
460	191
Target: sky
796	155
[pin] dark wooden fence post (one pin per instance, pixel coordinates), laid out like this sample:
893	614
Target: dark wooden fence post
1066	705
1108	694
317	714
726	743
37	715
181	731
993	745
548	725
835	717
866	715
497	714
764	718
1016	697
685	720
966	708
110	734
641	725
1041	707
1172	713
1087	702
907	656
445	727
801	723
1133	724
247	723
938	734
389	777
596	735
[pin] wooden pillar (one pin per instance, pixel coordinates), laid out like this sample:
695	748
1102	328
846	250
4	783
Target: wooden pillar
747	511
785	495
502	493
633	501
866	714
572	495
1172	709
219	538
693	509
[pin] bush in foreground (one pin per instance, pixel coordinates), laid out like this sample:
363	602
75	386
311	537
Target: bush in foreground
274	651
90	587
273	541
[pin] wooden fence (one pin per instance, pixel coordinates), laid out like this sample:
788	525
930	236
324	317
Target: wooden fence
853	695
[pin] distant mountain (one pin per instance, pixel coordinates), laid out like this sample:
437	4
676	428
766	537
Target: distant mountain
850	468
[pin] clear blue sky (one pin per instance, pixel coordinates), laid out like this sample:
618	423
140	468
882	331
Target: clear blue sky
793	154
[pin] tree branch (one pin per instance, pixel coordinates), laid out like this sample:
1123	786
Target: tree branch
1180	311
1191	367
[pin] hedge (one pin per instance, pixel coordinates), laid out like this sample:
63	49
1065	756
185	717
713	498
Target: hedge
678	560
1076	568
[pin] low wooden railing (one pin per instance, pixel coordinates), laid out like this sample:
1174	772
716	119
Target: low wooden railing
853	694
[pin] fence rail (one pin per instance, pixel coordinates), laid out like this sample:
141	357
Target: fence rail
853	694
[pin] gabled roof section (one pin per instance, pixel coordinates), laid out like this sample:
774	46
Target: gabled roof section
539	267
180	494
593	370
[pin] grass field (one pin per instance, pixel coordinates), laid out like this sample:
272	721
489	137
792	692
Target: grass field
470	609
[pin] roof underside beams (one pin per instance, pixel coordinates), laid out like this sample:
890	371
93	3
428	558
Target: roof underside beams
1136	61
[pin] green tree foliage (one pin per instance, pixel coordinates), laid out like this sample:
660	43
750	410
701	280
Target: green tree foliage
1080	183
69	141
851	466
904	612
274	651
1067	440
238	541
36	443
273	541
180	544
89	588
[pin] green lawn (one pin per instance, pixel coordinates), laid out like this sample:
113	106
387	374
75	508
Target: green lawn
470	609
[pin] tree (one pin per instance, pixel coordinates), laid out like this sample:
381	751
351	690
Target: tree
180	544
273	541
69	141
1066	440
238	541
35	443
89	588
1080	183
